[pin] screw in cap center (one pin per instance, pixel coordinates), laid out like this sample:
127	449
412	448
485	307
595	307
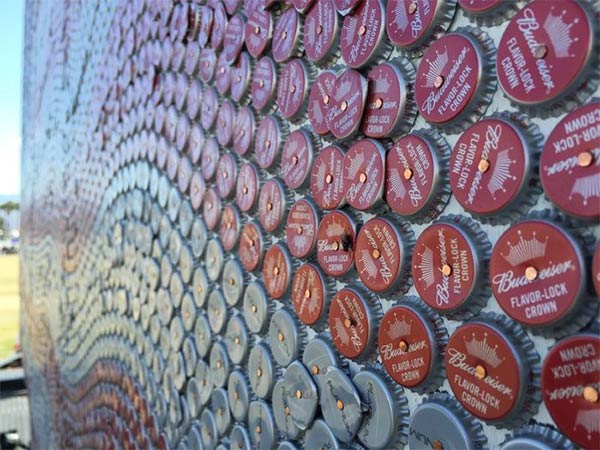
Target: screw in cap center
480	372
256	30
336	245
362	30
326	99
541	51
347	323
269	206
439	81
584	159
280	337
258	429
340	404
437	445
412	8
276	270
259	372
407	174
483	166
446	270
362	177
299	229
344	105
298	394
307	293
328	178
531	273
294	160
590	394
315	369
376	253
378	103
286	410
245	189
403	345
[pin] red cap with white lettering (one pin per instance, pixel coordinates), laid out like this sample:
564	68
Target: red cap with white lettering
570	163
411	341
353	318
449	266
456	79
493	370
570	387
493	167
413	25
416	175
537	273
547	58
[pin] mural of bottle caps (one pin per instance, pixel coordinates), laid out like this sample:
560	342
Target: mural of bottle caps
311	224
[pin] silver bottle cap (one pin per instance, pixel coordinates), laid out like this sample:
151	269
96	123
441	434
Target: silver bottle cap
341	405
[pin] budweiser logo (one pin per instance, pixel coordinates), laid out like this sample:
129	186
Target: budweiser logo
459	360
507	281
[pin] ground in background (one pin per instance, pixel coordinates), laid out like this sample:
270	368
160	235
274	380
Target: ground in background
9	304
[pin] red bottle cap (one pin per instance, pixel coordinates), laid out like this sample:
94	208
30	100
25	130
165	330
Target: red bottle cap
223	76
247	187
225	123
335	243
302	5
450	78
544	52
286	35
479	6
389	108
277	271
211	208
226	175
319	99
407	345
570	388
301	228
258	30
272	204
296	159
380	255
489	167
327	180
267	142
243	130
251	247
240	78
208	62
570	163
446	267
264	81
218	27
596	270
345	6
321	31
309	294
292	89
347	103
229	228
363	36
351	320
487	373
414	179
410	24
234	38
210	158
364	172
537	273
206	20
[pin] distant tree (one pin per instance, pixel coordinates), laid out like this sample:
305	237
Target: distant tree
2	223
9	207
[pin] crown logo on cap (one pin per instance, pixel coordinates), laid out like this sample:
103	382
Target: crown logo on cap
559	33
436	67
481	349
426	267
525	250
399	328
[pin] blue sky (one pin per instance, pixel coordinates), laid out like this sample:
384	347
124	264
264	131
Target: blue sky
11	47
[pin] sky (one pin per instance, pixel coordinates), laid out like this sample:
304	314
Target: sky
11	48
